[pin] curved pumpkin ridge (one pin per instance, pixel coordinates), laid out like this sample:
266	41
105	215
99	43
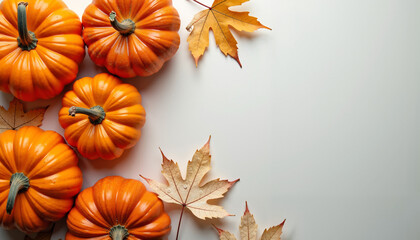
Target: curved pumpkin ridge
44	82
56	43
41	144
92	34
157	228
99	18
75	130
43	10
143	208
89	229
4	184
133	116
163	19
148	8
99	49
86	142
6	219
83	90
63	185
161	42
130	189
102	86
104	198
123	137
117	59
64	21
23	212
51	162
6	155
86	206
122	96
58	66
23	140
105	147
143	60
20	74
108	6
5	28
7	63
71	99
55	210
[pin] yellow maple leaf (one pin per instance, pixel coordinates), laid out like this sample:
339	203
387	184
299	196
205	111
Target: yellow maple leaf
190	193
218	18
248	229
15	118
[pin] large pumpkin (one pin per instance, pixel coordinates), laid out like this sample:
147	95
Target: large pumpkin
117	208
102	116
40	48
39	178
133	37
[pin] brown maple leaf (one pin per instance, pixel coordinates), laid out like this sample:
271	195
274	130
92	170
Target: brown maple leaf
218	18
15	118
248	229
190	193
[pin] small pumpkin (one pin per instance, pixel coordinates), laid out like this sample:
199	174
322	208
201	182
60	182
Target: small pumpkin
102	116
39	178
40	48
131	38
117	208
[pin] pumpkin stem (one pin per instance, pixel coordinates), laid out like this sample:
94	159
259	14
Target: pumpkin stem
26	40
118	232
96	114
18	182
126	27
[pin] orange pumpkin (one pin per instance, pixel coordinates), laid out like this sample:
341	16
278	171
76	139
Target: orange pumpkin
102	116
39	178
117	208
133	37
40	48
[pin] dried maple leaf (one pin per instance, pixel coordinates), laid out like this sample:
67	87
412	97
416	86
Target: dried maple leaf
218	18
15	118
189	192
248	229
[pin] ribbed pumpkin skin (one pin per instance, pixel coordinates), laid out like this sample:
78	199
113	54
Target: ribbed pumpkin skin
40	73
115	200
55	178
118	131
141	53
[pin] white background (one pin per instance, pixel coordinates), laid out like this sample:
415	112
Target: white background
321	124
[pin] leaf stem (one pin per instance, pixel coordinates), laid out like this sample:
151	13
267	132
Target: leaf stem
204	5
179	223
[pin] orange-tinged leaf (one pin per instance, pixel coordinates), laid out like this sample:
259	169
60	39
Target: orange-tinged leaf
224	235
273	233
248	229
15	118
219	18
190	192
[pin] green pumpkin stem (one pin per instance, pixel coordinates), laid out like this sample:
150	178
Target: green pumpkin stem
118	232
96	114
18	182
26	40
125	27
